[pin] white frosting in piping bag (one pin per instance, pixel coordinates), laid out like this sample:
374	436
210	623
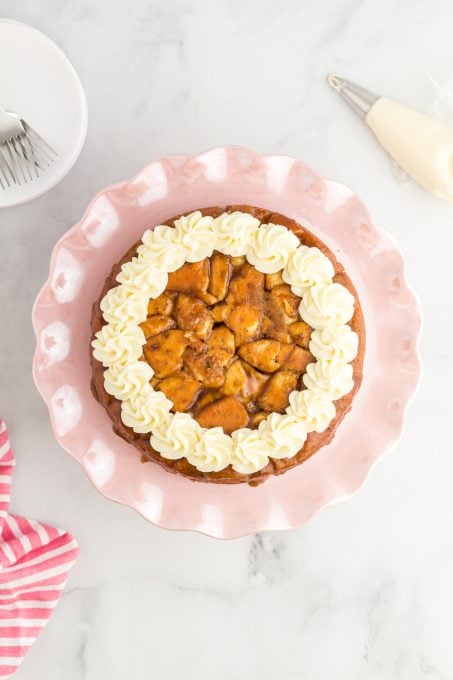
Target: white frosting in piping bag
423	146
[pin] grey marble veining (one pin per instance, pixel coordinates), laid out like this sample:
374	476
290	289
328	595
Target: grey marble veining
363	592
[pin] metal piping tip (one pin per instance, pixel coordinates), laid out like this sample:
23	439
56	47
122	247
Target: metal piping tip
335	81
358	98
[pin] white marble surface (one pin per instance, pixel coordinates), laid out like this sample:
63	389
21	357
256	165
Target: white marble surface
364	592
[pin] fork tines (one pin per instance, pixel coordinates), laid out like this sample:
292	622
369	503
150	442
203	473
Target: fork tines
24	157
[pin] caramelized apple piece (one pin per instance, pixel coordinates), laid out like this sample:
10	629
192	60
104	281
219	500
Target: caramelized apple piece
235	378
193	315
182	390
206	398
275	323
301	333
192	277
227	413
164	352
237	261
246	286
257	418
252	406
298	360
283	336
275	396
273	280
243	381
195	341
205	367
156	324
287	300
207	298
268	328
221	312
286	350
245	321
271	330
220	276
263	354
222	344
284	298
163	304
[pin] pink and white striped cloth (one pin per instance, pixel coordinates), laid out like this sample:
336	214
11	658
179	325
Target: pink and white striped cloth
34	563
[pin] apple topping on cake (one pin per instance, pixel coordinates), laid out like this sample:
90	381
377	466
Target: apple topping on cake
226	342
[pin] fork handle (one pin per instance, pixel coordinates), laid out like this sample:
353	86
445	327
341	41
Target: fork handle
5	121
10	125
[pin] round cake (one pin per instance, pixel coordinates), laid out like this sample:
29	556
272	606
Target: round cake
227	345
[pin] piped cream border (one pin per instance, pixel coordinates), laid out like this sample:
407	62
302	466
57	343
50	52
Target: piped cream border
325	305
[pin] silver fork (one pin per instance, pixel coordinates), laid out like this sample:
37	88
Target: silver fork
23	152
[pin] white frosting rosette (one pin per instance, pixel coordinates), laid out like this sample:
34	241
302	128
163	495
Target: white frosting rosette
176	436
314	409
338	343
160	246
332	378
124	381
120	306
196	235
143	278
117	344
271	247
325	305
305	268
213	452
249	451
284	435
145	411
234	233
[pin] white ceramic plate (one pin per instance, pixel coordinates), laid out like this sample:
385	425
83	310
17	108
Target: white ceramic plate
38	83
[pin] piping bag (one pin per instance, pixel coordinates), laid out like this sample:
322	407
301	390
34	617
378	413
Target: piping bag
420	144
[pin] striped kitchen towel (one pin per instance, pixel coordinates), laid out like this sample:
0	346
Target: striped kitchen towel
34	564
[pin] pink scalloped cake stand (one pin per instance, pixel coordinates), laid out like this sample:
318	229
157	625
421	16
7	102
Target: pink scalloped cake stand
116	218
